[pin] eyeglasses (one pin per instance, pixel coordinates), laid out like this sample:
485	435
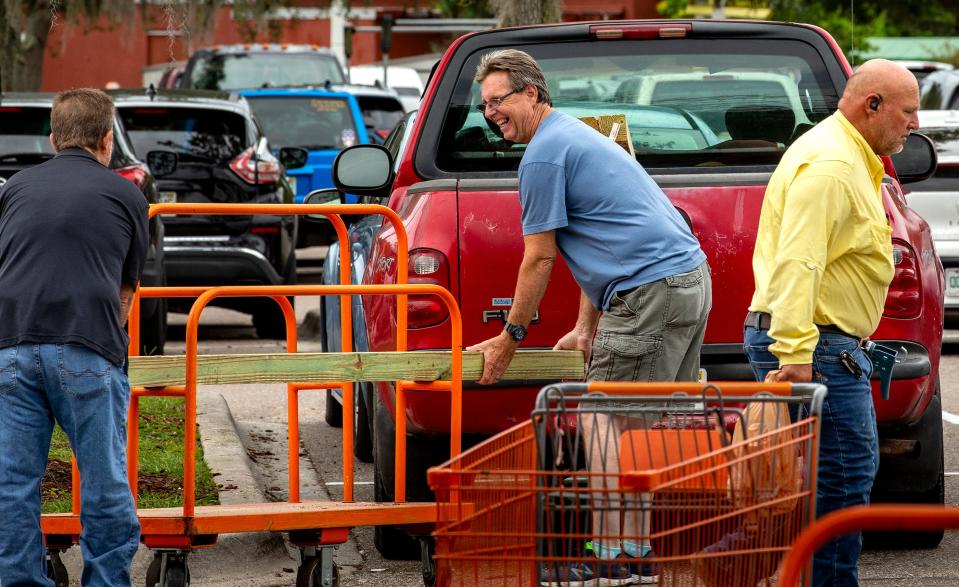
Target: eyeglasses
494	102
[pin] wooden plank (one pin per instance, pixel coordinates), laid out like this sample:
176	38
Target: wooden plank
531	365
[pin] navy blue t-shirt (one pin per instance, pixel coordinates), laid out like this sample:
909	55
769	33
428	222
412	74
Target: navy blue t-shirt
614	227
71	231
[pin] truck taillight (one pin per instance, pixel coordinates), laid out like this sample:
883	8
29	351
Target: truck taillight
262	171
135	173
904	299
427	266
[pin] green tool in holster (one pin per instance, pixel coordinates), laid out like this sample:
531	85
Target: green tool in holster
883	361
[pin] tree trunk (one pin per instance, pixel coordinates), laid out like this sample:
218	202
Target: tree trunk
23	38
523	12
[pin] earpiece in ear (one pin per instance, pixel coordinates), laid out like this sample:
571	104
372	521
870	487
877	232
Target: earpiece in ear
874	103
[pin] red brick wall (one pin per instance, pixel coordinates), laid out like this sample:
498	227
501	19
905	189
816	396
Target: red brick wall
119	53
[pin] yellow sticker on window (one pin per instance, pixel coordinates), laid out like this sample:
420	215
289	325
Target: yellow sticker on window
328	105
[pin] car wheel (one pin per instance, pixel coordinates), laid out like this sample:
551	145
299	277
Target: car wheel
391	541
363	439
153	330
334	411
268	319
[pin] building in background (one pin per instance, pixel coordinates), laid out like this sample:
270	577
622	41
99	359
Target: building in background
141	49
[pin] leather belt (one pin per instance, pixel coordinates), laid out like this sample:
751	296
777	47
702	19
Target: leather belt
762	321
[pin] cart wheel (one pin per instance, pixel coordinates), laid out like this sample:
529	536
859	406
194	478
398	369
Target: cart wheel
56	570
427	562
175	571
311	574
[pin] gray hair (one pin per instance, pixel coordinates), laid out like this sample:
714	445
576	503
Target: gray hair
521	70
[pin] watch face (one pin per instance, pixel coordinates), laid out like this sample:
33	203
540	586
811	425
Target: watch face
517	332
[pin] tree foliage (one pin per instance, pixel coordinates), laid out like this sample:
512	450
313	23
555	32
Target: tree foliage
25	26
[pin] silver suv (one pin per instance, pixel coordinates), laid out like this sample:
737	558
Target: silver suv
937	198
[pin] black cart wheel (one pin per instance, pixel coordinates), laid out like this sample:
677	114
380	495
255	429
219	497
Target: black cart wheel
311	574
56	570
173	568
427	562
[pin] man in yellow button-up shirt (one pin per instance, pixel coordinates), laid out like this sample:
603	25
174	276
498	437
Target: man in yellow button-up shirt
822	264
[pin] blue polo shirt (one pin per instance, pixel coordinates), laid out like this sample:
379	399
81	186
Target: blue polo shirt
615	228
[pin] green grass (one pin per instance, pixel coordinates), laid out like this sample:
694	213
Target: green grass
161	461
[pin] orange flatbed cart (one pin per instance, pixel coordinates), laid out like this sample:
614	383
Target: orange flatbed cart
313	526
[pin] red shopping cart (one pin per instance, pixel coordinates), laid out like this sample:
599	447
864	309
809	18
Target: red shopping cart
712	482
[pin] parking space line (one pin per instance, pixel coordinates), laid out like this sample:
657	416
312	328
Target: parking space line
354	483
951	418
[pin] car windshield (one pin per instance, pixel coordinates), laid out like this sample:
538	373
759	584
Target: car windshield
310	122
195	134
25	132
239	71
713	102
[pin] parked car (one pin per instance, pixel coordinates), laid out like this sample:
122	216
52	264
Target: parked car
223	158
940	90
454	184
361	233
404	80
319	121
260	65
937	199
25	142
170	78
921	68
381	108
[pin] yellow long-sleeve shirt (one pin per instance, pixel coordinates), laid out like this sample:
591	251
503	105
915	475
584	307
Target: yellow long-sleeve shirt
824	249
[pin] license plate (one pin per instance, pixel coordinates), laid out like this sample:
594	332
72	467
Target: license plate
702	376
952	282
166	197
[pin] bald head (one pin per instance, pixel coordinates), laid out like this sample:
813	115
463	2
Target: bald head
881	100
879	76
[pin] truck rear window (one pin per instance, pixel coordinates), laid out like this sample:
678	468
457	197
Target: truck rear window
25	132
245	71
687	102
195	134
311	122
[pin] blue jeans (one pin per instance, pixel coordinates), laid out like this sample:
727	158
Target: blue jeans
848	442
88	396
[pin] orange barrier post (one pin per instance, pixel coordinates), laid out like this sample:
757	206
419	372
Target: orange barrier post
908	518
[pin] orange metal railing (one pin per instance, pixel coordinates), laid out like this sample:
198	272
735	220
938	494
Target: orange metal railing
279	294
903	517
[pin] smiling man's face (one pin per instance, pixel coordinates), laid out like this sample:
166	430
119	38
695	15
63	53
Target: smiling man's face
514	115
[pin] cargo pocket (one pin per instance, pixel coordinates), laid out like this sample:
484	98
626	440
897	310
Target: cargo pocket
84	375
685	299
8	370
623	357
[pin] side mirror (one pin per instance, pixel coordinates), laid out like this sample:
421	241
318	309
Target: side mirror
365	170
161	162
293	157
324	196
917	160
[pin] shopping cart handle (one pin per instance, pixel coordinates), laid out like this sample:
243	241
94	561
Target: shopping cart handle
641	481
717	388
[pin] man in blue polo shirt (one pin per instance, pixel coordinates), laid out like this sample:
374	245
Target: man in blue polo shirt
73	239
646	287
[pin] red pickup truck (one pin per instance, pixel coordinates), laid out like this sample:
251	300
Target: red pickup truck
711	106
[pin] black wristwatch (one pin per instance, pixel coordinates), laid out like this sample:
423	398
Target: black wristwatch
515	331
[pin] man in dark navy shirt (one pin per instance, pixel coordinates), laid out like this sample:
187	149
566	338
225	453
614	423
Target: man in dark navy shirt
73	239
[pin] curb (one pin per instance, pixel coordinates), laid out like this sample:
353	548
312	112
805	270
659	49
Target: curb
224	451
